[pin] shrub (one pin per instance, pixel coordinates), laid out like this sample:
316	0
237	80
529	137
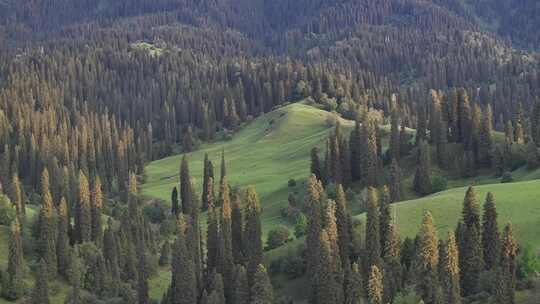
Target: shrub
7	212
439	183
277	237
291	183
528	263
507	177
155	211
301	226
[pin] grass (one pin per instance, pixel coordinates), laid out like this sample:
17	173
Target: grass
267	152
517	203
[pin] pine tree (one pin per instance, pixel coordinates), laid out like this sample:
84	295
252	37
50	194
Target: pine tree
75	278
355	140
184	281
428	255
313	204
175	206
186	195
509	253
421	125
16	197
486	137
227	260
392	266
15	286
97	206
142	276
375	286
213	240
371	158
187	141
315	163
464	117
395	143
47	228
328	288
208	177
471	248
422	177
237	230
490	233
385	218
261	288
252	233
40	294
83	219
240	287
354	286
450	271
223	170
343	227
62	244
217	294
396	186
373	243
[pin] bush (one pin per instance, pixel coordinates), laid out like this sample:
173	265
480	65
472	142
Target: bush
507	177
277	237
291	183
529	262
300	227
7	212
439	183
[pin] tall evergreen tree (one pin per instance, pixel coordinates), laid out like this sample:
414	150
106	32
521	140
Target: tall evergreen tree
175	205
371	158
471	261
354	286
212	240
184	280
328	290
62	243
490	233
223	170
237	230
83	219
96	209
450	271
252	233
208	176
16	197
343	227
396	185
40	294
315	163
373	243
428	256
392	267
375	286
47	228
15	286
313	204
395	142
261	288
486	137
241	286
186	195
509	253
142	276
385	218
422	178
227	262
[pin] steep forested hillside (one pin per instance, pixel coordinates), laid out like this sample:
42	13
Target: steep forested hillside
92	91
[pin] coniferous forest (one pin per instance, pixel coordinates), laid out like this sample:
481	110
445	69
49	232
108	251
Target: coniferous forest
261	152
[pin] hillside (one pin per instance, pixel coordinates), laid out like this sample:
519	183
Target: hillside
267	152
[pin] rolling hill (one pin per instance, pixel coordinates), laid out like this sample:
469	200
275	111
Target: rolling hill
267	152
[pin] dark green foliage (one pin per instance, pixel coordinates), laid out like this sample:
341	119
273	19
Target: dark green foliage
47	228
240	287
252	233
396	185
315	163
490	233
208	181
373	243
165	255
62	244
14	287
422	178
277	237
184	280
175	206
237	227
343	223
40	294
261	288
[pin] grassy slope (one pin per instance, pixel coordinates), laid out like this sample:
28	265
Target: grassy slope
517	203
267	153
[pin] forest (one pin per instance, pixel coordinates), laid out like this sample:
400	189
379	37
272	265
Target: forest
260	152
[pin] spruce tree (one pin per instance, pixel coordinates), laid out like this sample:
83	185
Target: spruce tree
508	265
422	178
373	243
450	271
83	219
261	291
396	185
313	204
394	133
428	256
385	218
208	176
175	206
15	286
392	267
237	230
315	163
343	227
375	286
354	286
16	197
490	233
47	228
223	170
328	290
252	233
227	260
212	239
485	144
96	209
241	286
40	294
471	248
62	243
186	195
371	157
217	294
142	276
184	280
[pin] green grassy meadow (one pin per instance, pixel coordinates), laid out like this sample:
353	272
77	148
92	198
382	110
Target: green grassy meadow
267	152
